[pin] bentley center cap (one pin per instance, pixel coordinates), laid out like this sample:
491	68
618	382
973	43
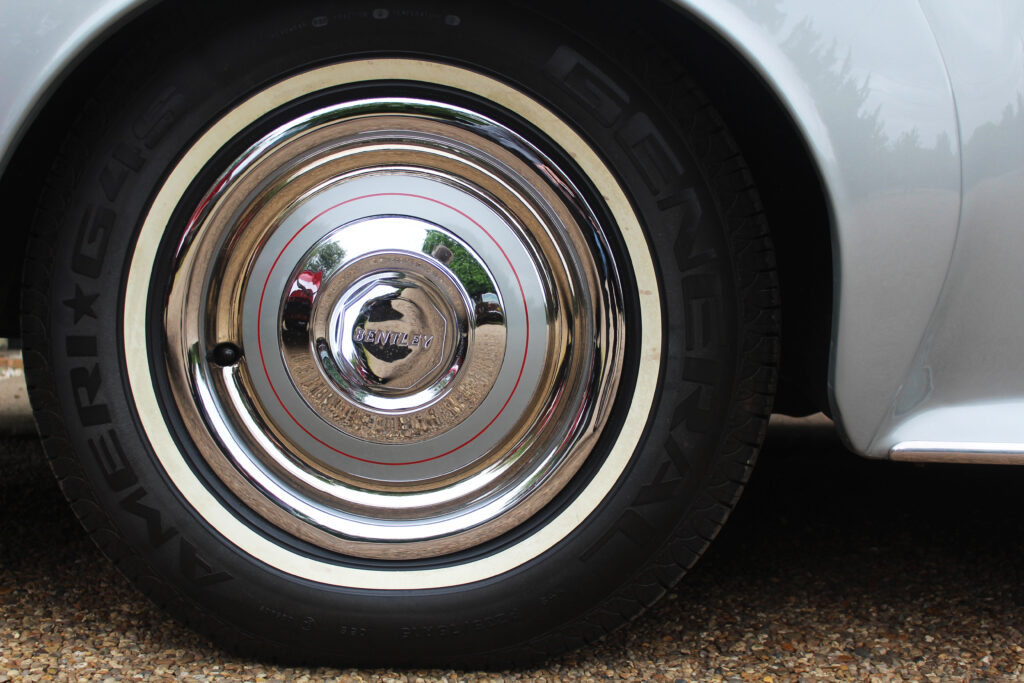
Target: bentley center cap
392	331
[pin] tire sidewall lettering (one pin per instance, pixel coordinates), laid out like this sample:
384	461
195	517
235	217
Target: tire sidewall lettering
86	309
690	273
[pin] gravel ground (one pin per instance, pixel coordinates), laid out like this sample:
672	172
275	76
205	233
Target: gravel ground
832	568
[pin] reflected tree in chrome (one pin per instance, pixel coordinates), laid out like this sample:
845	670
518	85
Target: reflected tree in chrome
467	269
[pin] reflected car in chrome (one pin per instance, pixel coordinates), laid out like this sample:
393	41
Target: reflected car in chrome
451	331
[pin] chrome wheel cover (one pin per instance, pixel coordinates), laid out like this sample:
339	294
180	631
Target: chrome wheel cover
431	326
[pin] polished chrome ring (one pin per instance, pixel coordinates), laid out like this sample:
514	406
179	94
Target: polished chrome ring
431	323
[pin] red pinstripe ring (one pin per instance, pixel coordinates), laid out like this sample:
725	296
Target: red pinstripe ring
259	317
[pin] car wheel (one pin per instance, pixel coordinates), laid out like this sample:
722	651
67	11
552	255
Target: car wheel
401	336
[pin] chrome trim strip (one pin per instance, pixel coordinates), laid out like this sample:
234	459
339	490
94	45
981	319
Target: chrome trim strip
970	452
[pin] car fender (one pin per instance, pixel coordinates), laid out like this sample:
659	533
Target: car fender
870	94
877	114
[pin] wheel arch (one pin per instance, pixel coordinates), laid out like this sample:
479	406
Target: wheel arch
787	171
796	201
877	136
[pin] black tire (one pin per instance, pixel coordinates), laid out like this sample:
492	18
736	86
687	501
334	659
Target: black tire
715	364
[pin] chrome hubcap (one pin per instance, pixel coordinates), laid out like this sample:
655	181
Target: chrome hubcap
431	324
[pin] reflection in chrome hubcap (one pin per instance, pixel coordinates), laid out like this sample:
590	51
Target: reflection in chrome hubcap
431	321
391	330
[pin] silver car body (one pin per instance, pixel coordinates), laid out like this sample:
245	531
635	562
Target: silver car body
914	115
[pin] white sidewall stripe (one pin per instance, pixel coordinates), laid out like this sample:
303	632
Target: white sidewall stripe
137	352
